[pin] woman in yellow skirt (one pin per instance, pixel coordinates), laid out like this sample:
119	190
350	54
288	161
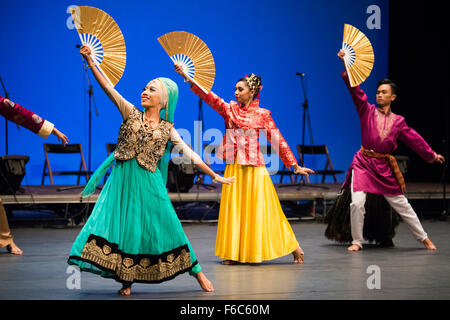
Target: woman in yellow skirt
252	226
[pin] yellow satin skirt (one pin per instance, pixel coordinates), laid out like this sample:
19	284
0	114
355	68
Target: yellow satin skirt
252	226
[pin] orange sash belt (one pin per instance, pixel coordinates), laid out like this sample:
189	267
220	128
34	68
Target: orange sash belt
392	162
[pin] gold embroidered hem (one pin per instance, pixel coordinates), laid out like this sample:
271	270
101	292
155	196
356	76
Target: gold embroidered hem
135	267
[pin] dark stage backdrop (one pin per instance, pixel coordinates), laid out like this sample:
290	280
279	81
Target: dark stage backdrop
42	69
419	64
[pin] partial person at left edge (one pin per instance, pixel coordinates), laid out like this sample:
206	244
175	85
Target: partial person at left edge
18	114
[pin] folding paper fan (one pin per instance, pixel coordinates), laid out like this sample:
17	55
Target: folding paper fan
359	57
102	35
193	54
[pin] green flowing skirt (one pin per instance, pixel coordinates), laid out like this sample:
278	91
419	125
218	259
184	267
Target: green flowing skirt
133	233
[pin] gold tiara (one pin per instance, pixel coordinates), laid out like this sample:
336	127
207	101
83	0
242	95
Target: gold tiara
253	82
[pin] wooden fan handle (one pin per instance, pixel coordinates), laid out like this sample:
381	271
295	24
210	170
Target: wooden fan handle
190	80
195	82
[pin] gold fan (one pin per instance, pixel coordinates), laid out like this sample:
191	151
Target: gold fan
359	57
193	54
102	35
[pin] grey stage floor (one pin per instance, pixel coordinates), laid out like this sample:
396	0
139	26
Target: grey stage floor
407	271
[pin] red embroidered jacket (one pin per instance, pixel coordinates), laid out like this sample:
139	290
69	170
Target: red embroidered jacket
242	132
16	113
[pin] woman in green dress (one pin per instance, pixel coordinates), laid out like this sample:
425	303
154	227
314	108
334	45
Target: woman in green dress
133	233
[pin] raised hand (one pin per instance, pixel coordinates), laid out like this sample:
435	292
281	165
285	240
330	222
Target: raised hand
341	54
179	69
85	51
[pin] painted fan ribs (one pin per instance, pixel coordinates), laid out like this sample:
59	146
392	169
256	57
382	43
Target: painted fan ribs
191	52
102	34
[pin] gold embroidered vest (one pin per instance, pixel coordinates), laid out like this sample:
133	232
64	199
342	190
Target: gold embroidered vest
146	145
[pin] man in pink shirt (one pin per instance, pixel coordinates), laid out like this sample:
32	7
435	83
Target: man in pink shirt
373	169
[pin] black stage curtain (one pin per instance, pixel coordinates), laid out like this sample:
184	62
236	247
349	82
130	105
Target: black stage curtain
419	65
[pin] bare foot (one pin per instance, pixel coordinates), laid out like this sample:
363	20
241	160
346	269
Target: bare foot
228	262
299	255
205	284
14	249
354	247
429	245
125	291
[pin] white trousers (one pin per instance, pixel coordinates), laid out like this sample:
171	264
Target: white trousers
399	203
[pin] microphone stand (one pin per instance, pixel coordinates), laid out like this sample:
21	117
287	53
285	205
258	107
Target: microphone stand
304	117
200	180
305	112
91	99
6	121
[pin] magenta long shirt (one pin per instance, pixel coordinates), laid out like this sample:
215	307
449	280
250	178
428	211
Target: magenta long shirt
380	133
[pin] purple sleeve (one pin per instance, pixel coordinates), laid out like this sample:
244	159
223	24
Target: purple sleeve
16	113
415	141
359	97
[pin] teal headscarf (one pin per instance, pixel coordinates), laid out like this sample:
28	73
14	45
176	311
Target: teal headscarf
163	164
168	114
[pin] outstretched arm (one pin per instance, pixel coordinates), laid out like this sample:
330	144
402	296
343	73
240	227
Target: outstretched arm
210	98
123	105
358	95
418	144
16	113
195	158
86	53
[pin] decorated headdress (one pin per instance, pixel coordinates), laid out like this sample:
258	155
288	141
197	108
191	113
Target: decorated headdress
254	83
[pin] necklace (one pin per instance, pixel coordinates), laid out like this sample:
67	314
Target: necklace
150	122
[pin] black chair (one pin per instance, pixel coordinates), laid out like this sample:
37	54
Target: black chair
60	149
319	150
